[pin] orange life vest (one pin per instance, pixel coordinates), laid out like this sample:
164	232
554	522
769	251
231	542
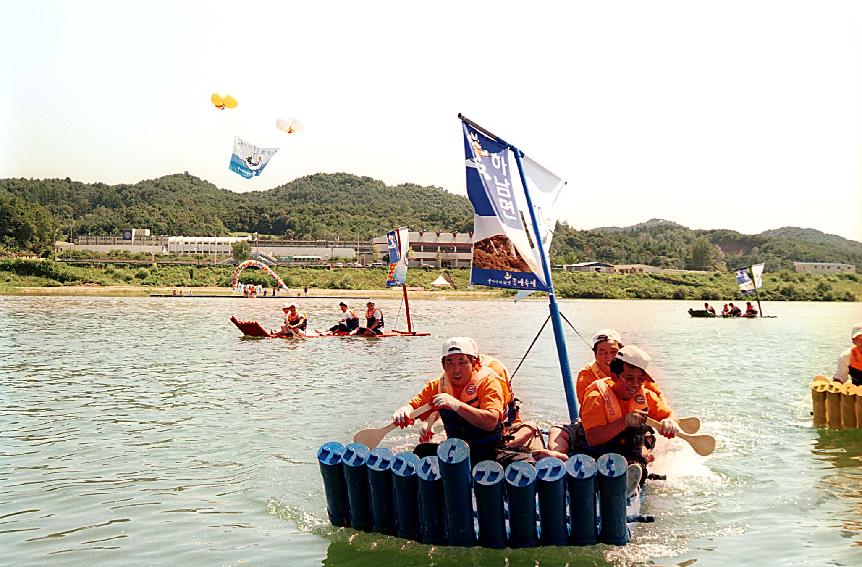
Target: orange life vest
613	409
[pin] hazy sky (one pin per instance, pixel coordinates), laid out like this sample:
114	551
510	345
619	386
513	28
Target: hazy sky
742	115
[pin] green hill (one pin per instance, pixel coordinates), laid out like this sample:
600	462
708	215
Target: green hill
346	206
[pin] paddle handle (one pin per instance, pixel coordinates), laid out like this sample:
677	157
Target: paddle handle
703	445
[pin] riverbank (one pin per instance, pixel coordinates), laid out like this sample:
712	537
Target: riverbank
46	277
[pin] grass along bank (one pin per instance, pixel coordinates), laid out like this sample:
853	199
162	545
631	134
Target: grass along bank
18	274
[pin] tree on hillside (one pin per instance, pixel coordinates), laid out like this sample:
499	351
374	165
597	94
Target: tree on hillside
700	255
241	250
25	226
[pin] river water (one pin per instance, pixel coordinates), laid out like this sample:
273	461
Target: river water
145	431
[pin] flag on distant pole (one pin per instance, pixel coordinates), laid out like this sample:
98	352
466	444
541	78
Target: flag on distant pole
398	242
746	286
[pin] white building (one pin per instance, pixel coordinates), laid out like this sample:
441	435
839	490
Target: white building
823	268
433	249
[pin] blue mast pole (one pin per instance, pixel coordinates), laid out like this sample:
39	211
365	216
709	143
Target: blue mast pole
559	337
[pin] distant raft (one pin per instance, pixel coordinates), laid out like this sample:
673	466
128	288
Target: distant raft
836	405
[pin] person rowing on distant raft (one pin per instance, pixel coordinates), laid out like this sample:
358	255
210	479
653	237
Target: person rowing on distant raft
750	311
295	322
709	309
606	345
850	361
373	321
347	323
516	432
735	311
469	397
613	415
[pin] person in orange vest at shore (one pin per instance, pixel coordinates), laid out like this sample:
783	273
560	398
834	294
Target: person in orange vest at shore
606	345
613	416
850	361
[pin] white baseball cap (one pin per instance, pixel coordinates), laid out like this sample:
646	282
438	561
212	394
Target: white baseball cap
855	331
636	357
606	335
287	305
461	345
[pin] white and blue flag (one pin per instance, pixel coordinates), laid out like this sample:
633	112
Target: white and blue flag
398	243
249	160
504	244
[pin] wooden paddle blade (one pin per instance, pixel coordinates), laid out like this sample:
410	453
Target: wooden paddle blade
371	438
689	425
703	445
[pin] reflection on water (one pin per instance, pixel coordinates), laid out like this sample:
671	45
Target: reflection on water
141	431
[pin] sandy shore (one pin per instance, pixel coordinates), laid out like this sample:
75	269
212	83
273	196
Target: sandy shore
141	291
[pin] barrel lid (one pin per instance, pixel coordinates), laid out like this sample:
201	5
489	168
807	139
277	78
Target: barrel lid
355	455
488	473
453	451
581	466
429	468
405	464
380	459
330	453
612	465
550	469
520	474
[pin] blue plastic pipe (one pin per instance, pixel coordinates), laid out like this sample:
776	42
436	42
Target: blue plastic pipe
382	492
406	484
356	476
431	506
453	456
551	486
612	499
521	493
337	505
581	482
488	485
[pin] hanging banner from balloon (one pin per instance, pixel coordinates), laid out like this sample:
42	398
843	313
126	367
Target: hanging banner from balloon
249	160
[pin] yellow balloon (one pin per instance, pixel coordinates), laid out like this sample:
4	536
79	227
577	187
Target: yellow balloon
217	99
230	102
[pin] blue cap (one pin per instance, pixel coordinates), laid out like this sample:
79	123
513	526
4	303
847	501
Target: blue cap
612	465
330	453
380	459
356	455
581	466
488	473
429	468
453	451
405	464
550	469
520	474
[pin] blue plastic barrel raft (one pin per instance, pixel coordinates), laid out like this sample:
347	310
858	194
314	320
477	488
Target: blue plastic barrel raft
442	500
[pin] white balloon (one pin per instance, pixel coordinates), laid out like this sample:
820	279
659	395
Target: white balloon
289	125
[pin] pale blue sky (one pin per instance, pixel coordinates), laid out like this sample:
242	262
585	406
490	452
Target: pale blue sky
736	114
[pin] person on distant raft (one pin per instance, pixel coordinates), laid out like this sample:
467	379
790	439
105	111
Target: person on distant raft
373	321
725	311
606	345
348	322
735	311
295	322
750	311
850	361
709	309
470	400
613	416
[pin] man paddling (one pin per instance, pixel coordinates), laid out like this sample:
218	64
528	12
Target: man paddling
470	400
295	322
850	361
614	413
373	321
606	345
349	321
